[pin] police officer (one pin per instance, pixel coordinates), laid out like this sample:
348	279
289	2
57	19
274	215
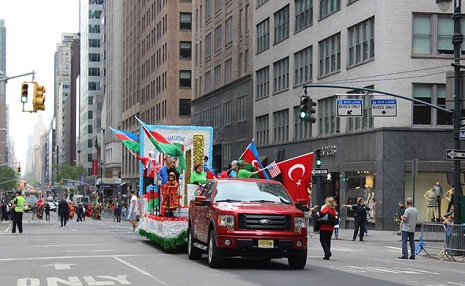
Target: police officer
360	211
18	206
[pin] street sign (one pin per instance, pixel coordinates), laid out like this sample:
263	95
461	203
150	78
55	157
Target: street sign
462	134
384	107
349	107
452	154
320	172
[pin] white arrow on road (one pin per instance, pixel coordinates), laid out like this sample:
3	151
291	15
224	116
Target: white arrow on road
60	266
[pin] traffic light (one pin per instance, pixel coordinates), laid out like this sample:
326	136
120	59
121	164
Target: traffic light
318	158
303	113
24	91
312	111
18	171
38	101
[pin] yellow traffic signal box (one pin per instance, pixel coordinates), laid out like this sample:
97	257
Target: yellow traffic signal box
38	101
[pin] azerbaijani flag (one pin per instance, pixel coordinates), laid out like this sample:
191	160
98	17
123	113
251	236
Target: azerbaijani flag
153	197
163	145
130	140
250	155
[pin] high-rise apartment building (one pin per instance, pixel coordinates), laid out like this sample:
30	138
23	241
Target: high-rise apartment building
4	154
401	47
156	69
222	63
91	94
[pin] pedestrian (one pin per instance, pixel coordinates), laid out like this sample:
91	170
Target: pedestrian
360	211
327	227
399	215
17	207
34	211
118	212
79	213
133	210
449	223
123	212
4	209
47	211
336	226
63	211
409	219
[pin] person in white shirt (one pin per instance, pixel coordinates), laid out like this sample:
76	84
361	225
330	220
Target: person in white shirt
133	208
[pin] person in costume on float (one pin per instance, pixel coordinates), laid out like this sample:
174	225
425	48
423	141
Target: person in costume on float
243	173
170	196
198	176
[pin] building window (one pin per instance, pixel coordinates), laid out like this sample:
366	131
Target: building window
263	36
218	5
261	2
281	126
228	30
425	115
94	57
208	81
432	34
361	42
263	82
262	129
94	29
184	107
216	116
208	9
328	122
303	14
302	128
240	147
281	25
303	65
185	21
366	120
328	7
185	79
208	46
281	75
227	112
94	43
217	82
228	71
185	50
226	154
218	36
94	72
330	55
242	108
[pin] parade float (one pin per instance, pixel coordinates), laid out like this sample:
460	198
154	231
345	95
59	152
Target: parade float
195	142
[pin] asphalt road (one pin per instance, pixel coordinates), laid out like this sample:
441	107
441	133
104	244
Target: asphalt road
104	253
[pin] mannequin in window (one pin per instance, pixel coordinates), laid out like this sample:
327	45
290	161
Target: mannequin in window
449	196
432	206
439	195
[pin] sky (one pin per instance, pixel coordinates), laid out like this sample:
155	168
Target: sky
33	30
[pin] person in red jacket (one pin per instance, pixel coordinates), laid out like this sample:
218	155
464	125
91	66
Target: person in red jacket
327	227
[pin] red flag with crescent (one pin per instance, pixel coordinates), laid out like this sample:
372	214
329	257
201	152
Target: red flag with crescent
297	174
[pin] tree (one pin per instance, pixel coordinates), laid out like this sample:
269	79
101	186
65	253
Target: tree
8	178
67	172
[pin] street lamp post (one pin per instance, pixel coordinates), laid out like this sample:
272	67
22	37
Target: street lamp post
457	40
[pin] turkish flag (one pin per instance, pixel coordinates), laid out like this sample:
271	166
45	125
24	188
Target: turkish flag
210	175
296	175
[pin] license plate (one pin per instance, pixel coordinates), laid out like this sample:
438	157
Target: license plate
265	243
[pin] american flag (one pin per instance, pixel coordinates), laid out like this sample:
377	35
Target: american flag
273	168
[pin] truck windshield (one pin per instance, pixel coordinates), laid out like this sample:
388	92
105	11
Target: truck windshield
252	192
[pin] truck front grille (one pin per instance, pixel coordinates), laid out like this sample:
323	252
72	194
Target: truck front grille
264	222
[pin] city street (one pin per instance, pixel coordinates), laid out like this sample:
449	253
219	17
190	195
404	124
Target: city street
104	253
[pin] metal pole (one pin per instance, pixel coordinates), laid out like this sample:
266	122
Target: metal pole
457	40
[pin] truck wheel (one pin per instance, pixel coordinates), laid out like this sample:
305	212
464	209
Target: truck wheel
215	256
193	252
298	261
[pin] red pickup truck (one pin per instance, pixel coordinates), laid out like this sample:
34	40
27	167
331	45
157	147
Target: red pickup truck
250	218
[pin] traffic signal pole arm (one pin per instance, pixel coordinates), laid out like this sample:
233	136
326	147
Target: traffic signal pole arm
375	91
16	76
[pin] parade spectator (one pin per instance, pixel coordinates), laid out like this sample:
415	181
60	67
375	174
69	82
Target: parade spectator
133	210
47	211
118	212
336	226
124	210
326	229
409	224
399	215
63	211
17	207
449	224
34	211
79	212
4	210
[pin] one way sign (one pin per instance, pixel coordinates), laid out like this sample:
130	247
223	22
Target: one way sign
452	154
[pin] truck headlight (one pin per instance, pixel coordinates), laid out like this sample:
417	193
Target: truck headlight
299	223
226	221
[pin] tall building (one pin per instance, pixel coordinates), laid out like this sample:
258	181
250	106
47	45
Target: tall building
401	47
156	69
91	95
222	91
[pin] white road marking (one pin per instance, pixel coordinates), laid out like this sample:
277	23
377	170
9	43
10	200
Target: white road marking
60	266
395	270
140	270
75	257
